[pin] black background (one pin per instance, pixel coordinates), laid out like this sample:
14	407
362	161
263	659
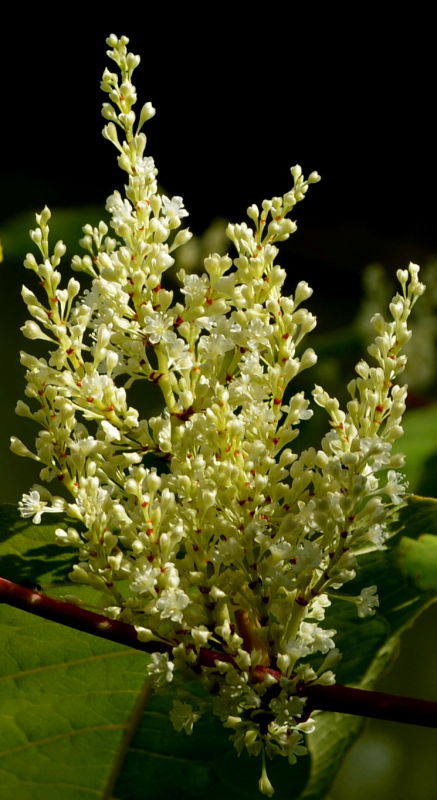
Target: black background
239	100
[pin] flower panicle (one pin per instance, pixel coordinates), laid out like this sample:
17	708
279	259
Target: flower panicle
228	540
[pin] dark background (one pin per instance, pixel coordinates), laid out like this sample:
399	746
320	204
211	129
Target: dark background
239	100
241	96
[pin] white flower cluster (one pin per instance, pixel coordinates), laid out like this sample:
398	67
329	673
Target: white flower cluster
229	552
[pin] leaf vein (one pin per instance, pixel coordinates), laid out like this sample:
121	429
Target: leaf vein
59	736
164	756
68	664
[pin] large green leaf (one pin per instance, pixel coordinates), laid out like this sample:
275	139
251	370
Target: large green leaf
66	700
65	697
76	719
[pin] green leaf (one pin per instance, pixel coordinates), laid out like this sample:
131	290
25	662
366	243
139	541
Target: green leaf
419	516
418	560
76	719
65	699
417	553
28	553
419	445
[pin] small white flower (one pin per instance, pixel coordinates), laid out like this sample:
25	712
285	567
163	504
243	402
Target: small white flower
145	168
171	604
183	717
112	434
158	327
367	602
395	487
160	670
174	207
143	579
31	505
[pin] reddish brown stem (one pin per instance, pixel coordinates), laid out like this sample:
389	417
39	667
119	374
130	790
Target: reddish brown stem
75	617
250	631
364	703
342	699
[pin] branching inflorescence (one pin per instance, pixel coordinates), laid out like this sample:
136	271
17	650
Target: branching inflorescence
237	544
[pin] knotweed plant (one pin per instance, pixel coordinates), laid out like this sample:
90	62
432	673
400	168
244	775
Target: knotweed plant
226	553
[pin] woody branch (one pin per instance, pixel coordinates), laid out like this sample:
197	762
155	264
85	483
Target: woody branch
341	699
